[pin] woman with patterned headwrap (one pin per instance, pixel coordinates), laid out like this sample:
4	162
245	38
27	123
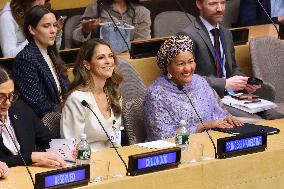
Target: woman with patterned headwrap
165	101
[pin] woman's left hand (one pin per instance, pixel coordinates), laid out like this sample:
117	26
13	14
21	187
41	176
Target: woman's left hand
233	121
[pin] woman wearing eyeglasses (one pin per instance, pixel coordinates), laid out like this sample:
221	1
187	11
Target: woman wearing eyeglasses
21	130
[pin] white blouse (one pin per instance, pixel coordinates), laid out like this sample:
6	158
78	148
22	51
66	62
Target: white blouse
77	119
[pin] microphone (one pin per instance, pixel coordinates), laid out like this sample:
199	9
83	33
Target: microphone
18	151
116	27
86	104
270	19
180	87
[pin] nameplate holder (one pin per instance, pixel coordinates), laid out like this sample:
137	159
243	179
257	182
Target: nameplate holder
69	177
240	36
154	161
146	47
241	144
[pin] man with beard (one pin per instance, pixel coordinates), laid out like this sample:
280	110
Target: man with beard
215	55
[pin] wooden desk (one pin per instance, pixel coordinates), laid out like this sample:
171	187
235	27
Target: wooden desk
262	30
261	170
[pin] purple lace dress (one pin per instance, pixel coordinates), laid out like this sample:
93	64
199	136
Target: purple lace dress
165	105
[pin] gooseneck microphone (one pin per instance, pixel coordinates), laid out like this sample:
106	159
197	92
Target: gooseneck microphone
180	87
86	104
18	151
269	17
116	27
183	10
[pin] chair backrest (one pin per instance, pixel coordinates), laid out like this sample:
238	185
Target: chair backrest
267	56
52	121
231	14
132	89
70	25
170	22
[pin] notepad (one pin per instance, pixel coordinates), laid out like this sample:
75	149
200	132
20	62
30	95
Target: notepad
248	106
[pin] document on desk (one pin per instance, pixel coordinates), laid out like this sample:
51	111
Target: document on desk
63	148
249	106
157	144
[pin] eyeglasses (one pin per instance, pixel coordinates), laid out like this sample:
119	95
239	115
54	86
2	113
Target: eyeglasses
13	96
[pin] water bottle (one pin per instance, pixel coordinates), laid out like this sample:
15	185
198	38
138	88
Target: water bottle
182	136
83	151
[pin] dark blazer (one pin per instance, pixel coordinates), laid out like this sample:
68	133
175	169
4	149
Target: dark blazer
204	54
35	81
251	13
29	131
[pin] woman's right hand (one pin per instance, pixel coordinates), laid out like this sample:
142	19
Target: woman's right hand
47	159
219	124
89	25
4	170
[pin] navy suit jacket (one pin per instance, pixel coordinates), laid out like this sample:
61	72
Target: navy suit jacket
251	13
29	131
35	81
205	56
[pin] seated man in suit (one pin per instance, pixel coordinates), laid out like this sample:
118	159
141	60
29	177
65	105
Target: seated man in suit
21	130
215	54
251	12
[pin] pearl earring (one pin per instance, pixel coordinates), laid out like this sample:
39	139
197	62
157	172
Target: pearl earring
169	75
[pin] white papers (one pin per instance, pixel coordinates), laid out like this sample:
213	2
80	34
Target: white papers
157	144
62	148
249	107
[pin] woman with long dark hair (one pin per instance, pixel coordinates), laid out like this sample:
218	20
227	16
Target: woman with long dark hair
128	11
96	81
12	38
38	72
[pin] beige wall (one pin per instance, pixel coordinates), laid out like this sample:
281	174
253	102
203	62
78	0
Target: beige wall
62	4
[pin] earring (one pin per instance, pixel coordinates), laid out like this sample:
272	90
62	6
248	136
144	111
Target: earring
169	75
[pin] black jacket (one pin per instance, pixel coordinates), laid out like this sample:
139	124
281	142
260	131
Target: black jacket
30	132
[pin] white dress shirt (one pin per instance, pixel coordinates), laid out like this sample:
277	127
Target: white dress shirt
6	136
209	27
77	119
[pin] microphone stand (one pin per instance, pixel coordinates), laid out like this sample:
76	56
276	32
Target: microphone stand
269	17
199	118
116	27
183	10
86	104
18	151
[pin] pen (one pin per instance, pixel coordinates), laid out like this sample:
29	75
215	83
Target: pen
253	101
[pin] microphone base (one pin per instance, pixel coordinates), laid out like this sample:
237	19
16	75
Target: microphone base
281	31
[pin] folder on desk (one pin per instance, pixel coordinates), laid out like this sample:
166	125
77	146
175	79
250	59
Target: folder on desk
249	128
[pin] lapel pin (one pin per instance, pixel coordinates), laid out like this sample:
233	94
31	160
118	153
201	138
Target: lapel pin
15	116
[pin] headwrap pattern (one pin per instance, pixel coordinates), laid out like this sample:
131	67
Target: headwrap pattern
171	48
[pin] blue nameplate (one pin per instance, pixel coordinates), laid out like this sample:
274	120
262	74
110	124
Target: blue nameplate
63	178
154	161
241	144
